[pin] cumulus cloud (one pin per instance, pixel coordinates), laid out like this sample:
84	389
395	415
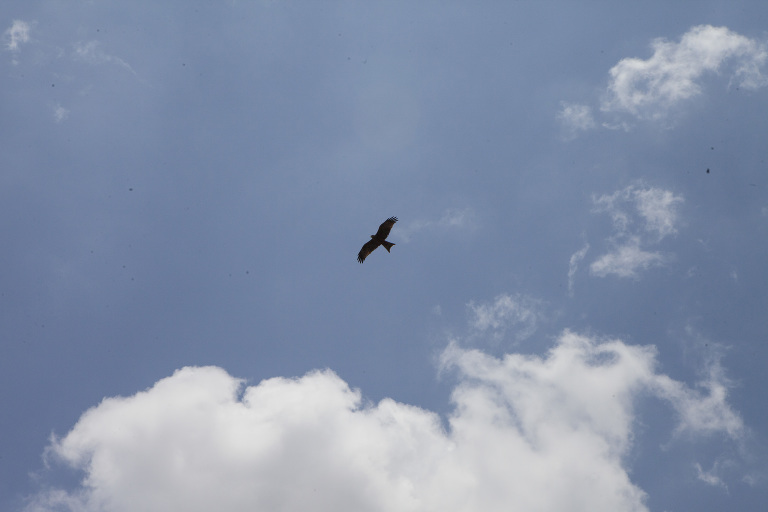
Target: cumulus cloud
16	35
649	88
642	216
517	313
451	218
545	432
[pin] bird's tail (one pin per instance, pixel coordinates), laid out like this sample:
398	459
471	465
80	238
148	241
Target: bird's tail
387	245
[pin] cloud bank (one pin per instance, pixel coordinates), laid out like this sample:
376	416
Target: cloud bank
526	432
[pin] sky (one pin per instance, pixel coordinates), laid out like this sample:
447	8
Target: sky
573	317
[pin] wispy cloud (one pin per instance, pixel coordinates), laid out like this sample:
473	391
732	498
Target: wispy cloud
92	53
657	208
703	410
452	218
16	35
546	433
60	113
518	313
573	266
457	218
642	216
626	260
710	477
575	118
650	88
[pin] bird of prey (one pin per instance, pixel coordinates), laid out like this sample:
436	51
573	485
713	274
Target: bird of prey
380	238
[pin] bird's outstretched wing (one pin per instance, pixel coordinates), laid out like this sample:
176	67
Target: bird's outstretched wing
367	249
385	228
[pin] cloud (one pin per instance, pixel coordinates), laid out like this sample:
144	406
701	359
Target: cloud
543	433
92	53
642	216
60	113
710	477
625	260
455	218
452	218
16	35
647	88
656	206
703	410
594	382
576	118
506	313
573	266
659	209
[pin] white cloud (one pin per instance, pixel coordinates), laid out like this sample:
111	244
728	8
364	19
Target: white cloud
647	88
611	204
703	410
543	433
573	266
659	209
712	476
650	88
16	35
656	206
519	313
626	260
642	216
595	381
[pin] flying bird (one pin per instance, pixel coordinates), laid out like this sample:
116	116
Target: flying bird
380	238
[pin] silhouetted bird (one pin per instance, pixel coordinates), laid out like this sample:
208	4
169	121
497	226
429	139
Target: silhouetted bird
380	238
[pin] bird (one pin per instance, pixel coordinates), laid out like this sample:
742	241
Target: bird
380	238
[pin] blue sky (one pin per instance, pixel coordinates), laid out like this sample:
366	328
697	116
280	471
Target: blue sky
574	315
